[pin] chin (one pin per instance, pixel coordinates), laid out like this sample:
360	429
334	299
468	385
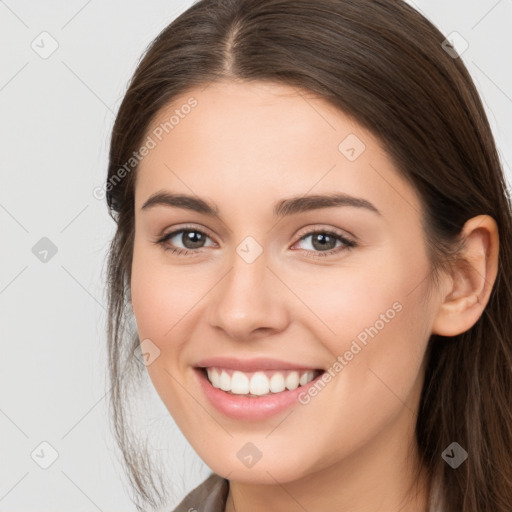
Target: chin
263	472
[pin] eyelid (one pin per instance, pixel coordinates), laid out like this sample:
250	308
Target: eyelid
185	227
308	230
349	241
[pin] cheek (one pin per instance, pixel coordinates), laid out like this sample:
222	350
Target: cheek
162	295
342	303
377	354
375	317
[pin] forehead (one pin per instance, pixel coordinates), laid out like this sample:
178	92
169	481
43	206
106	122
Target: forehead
262	141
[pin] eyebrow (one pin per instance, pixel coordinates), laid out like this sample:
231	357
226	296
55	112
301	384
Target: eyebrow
282	208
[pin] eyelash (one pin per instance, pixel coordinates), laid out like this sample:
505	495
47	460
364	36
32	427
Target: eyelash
349	244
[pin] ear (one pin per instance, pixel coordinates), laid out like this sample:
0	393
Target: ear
472	278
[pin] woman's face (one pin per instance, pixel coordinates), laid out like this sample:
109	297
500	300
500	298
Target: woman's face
338	286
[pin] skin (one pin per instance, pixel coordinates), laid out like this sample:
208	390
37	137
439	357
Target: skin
244	147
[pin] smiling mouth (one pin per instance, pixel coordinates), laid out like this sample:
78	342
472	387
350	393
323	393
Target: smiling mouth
259	383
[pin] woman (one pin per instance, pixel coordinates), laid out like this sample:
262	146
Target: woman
314	240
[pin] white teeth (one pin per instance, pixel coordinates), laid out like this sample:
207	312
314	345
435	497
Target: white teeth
225	381
292	380
306	377
239	383
277	383
258	383
213	376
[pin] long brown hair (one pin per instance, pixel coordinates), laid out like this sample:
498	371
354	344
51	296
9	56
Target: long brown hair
383	63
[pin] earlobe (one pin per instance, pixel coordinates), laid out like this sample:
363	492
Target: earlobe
472	278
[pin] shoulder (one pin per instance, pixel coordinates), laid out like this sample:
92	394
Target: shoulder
209	496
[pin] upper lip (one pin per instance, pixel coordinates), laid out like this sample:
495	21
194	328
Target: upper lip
252	365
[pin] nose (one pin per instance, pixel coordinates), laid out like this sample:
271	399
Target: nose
249	302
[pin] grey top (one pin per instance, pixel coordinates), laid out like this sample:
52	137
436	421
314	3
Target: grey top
212	494
209	496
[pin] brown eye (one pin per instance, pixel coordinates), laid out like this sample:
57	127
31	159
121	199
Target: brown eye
323	243
191	239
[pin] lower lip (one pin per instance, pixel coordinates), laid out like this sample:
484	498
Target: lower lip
246	408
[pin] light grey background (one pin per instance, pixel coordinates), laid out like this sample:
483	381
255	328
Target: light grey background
56	117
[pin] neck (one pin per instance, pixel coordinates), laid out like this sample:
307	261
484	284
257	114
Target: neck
378	476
